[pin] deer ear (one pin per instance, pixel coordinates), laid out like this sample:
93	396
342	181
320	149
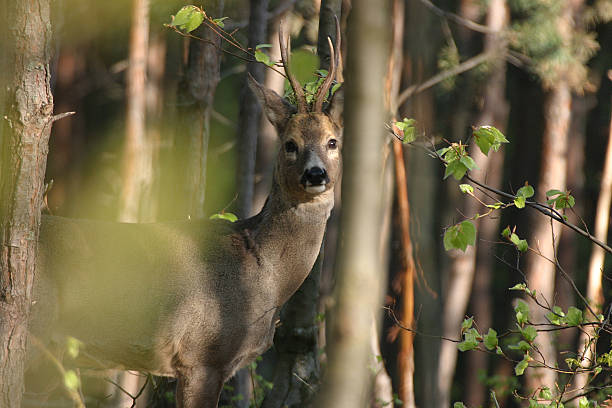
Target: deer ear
336	107
278	110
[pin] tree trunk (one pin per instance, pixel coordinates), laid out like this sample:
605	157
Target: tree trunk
494	112
595	293
27	107
545	235
137	156
195	104
268	140
360	277
250	113
465	265
540	271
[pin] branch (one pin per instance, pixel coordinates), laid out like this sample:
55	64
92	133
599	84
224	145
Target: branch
548	211
458	19
436	79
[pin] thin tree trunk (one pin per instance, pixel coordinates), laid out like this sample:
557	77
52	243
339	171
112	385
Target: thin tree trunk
595	293
137	175
405	358
195	104
494	112
360	278
137	161
268	140
464	263
250	113
27	106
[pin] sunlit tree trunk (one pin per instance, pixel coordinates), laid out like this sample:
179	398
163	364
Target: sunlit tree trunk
404	282
464	264
541	268
359	271
26	104
137	173
595	294
494	112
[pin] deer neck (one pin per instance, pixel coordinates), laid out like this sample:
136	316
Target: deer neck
289	236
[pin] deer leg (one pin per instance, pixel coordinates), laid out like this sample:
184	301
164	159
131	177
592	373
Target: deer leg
199	387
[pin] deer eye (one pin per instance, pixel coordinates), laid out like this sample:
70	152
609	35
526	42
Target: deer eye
332	144
291	147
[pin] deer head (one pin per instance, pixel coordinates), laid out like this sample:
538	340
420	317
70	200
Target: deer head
308	162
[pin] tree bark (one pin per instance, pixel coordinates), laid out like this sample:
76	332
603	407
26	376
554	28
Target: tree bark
250	113
137	155
195	104
595	294
545	236
358	291
27	106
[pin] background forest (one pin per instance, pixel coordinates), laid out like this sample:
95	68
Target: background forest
164	128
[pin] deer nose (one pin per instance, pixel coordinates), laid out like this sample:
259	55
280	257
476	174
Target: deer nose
315	176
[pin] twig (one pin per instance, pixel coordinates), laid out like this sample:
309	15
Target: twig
73	394
59	116
548	211
436	79
458	19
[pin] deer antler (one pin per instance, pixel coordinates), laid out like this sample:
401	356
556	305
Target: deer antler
334	63
302	105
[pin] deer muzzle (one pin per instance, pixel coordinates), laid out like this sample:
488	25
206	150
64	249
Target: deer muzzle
315	179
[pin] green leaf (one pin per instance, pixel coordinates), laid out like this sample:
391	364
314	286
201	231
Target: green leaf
73	346
459	236
458	405
506	232
583	402
545	393
71	380
260	56
552	193
487	138
188	18
467	345
470	341
521	244
521	345
525	191
468	162
258	46
220	23
574	316
466	188
522	312
490	340
456	169
556	316
228	216
522	365
520	286
519	202
467	324
529	333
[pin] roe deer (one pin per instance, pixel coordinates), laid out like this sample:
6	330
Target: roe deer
196	300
